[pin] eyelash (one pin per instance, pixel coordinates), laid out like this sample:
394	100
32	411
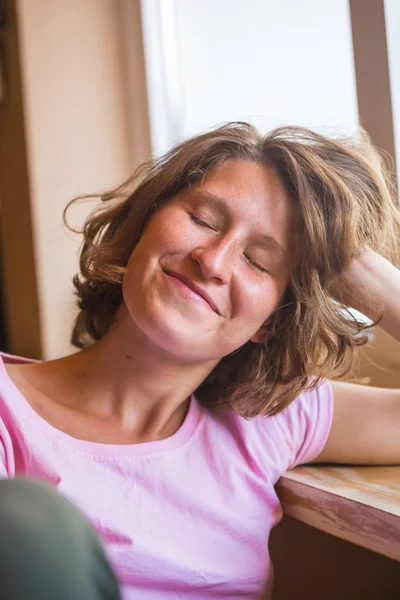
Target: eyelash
202	223
199	221
257	266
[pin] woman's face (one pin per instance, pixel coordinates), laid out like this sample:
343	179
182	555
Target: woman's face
212	264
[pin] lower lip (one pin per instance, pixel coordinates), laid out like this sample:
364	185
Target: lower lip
188	293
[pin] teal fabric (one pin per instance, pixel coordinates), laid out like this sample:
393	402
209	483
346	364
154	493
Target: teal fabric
48	551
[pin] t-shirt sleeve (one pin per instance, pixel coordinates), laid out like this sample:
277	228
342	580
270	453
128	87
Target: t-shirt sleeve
305	425
3	454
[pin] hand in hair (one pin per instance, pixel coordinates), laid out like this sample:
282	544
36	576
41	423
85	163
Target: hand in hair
371	285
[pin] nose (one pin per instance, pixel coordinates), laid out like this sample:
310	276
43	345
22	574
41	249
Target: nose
215	259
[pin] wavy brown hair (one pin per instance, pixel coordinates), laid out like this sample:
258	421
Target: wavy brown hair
345	203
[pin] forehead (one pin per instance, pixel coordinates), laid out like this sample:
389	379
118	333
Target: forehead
253	180
250	192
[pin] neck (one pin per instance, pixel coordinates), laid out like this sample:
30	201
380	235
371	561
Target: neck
125	377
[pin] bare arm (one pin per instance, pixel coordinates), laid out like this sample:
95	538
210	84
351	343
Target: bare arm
366	420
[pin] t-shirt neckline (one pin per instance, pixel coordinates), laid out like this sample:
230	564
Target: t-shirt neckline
142	449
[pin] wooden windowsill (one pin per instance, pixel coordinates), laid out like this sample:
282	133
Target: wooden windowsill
358	504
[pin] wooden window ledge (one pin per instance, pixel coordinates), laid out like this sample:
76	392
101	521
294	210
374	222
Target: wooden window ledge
358	504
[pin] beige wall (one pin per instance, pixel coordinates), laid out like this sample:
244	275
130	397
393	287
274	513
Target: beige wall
79	118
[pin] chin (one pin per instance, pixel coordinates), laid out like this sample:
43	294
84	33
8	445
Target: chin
162	326
183	342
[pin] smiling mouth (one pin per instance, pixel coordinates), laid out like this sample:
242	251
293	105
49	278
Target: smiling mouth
192	290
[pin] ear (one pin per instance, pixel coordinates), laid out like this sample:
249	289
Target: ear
265	332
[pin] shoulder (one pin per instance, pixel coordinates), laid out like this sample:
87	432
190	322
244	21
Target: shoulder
13	373
278	443
14	405
306	424
12	411
312	408
13	359
12	368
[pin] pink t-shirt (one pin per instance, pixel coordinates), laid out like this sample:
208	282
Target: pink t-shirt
184	517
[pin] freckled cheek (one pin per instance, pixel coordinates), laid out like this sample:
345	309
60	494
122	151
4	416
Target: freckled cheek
167	235
159	240
260	302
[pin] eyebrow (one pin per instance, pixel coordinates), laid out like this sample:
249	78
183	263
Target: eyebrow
223	206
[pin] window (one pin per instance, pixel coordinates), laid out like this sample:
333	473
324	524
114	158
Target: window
392	14
267	62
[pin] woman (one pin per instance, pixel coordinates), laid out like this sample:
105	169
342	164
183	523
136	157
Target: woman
208	328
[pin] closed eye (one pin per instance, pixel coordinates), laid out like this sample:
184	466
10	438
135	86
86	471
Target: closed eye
256	265
199	221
